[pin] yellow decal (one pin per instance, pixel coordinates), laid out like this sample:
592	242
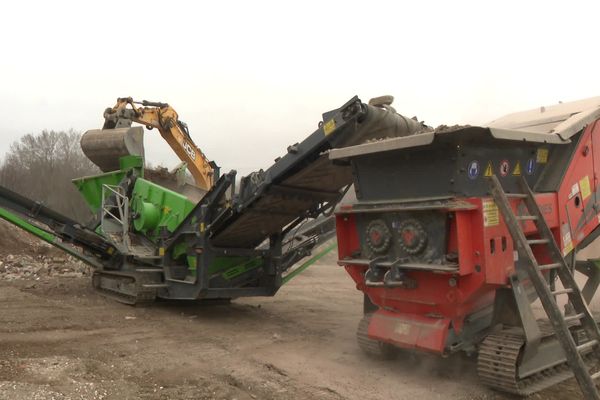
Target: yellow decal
517	170
329	127
491	216
567	249
568	243
202	227
161	251
584	186
542	156
489	170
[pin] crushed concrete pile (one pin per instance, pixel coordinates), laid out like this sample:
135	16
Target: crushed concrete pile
22	266
23	256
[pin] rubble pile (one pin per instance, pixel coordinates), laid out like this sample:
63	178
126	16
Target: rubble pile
23	256
24	266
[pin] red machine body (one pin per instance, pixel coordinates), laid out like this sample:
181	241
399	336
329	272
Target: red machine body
447	307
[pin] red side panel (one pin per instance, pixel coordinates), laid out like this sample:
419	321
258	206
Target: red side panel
410	331
493	249
463	236
347	236
577	193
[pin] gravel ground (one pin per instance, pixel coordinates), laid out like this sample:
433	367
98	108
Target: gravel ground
60	340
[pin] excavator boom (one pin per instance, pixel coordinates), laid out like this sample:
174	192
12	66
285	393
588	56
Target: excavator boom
117	138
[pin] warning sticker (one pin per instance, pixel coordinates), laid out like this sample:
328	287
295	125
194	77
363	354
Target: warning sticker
530	167
567	241
504	168
489	170
574	190
473	169
329	127
491	216
517	170
568	248
542	156
584	185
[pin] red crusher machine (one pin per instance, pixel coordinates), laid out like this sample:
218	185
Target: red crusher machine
455	232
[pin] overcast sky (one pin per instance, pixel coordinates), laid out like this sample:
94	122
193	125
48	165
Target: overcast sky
251	77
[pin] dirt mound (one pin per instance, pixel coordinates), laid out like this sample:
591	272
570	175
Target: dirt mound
16	241
23	256
160	174
176	181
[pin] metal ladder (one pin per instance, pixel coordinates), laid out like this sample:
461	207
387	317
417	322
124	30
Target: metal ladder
559	322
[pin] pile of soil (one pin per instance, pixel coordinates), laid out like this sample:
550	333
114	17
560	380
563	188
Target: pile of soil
16	241
159	174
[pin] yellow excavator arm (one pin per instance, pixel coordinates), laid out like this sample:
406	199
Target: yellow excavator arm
164	118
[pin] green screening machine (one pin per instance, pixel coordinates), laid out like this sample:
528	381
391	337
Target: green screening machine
241	238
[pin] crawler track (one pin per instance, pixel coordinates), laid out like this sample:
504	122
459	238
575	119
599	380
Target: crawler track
373	348
124	287
499	359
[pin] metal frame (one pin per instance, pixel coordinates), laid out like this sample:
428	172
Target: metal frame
121	204
20	211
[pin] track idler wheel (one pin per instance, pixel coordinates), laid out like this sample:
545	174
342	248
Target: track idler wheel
373	348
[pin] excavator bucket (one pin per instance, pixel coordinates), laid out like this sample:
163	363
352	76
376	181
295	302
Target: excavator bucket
104	147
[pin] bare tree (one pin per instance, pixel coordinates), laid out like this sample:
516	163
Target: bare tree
42	166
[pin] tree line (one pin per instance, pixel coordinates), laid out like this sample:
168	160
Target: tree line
41	167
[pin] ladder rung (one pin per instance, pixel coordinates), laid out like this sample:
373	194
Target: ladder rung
538	241
526	218
574	317
546	267
517	195
562	291
596	375
587	345
155	285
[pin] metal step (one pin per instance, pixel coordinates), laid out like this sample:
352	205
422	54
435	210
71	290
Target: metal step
155	285
586	346
574	317
526	218
562	291
538	241
181	281
546	267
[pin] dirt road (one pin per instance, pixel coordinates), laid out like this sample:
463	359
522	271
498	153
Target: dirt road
59	340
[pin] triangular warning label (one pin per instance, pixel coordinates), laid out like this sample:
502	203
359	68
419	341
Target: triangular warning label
517	170
489	170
